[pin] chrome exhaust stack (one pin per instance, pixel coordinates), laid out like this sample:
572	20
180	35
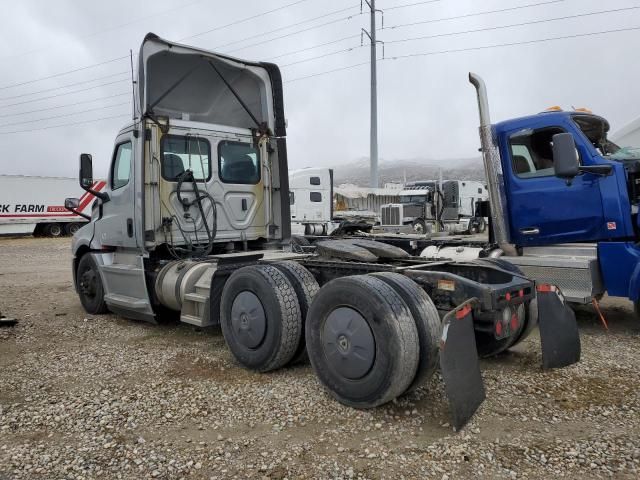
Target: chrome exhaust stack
493	170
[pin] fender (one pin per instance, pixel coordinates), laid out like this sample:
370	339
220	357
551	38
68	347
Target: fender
620	266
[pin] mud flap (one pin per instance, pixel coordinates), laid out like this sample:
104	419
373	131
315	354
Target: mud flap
559	334
460	365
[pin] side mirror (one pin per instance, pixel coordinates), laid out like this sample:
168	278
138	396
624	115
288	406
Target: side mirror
565	157
86	170
71	203
86	177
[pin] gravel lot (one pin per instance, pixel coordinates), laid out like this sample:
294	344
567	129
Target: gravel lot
104	397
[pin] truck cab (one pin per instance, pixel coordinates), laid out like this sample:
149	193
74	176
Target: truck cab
198	171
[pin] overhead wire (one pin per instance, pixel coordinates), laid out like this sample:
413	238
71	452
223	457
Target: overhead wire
61	94
42	119
4	115
68	124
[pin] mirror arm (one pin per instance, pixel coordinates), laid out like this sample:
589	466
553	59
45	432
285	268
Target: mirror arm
83	215
101	195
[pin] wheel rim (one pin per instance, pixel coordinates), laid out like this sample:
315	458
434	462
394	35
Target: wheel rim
55	230
88	283
348	343
418	228
73	229
248	320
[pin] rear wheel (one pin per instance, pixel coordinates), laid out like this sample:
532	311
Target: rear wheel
260	317
297	242
71	228
53	230
362	341
306	287
427	320
89	286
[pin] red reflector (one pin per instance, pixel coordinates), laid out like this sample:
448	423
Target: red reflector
514	322
498	328
545	288
507	297
463	312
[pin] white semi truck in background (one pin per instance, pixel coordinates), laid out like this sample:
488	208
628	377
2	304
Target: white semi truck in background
311	201
31	205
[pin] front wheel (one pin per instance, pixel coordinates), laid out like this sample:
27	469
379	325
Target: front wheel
89	286
419	227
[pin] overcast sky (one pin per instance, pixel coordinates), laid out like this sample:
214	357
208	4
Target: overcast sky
426	106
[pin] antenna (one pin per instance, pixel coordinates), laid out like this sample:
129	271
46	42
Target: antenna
133	89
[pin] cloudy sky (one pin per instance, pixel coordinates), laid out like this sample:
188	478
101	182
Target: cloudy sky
49	52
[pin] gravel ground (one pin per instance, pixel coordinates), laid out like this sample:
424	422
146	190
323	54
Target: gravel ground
104	397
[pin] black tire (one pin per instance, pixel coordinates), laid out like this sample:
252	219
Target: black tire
306	287
54	230
365	315
260	317
297	242
486	343
89	286
482	225
419	227
425	314
71	228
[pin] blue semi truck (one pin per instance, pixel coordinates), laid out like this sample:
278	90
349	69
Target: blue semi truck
563	203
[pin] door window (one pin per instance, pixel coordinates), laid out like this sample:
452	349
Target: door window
121	170
238	162
532	152
315	197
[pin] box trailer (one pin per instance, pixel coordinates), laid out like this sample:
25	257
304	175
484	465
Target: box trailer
31	205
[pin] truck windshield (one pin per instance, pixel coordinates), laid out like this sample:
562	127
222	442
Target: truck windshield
596	128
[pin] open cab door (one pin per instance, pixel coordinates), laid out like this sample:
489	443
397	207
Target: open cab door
221	119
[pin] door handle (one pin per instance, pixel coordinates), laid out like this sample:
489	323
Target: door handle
530	231
130	227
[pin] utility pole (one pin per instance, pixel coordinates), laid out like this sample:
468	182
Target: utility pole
373	146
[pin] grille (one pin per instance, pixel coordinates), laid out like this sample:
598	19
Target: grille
391	215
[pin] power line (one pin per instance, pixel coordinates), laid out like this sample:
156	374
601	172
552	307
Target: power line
61	94
321	56
236	22
65	86
64	115
476	14
411	5
498	27
55	75
511	44
67	124
341	19
468	49
350	37
64	106
115	27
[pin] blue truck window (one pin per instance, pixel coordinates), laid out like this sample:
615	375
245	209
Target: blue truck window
532	152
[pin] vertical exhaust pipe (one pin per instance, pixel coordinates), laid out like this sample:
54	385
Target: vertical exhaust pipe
493	170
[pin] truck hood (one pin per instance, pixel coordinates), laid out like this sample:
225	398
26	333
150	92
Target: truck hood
186	83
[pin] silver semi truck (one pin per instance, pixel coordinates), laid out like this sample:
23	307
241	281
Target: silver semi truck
195	219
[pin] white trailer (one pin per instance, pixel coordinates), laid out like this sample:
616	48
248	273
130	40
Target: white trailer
31	205
311	200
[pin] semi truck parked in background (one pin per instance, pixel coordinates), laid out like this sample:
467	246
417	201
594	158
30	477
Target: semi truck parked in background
311	201
31	205
437	206
196	217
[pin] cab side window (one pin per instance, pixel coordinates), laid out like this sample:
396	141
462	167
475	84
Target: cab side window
532	152
121	168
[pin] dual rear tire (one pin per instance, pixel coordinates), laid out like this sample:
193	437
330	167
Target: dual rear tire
370	338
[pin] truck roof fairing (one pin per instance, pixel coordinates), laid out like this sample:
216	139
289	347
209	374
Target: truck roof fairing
187	83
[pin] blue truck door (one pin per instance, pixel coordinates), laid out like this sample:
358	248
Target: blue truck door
543	209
